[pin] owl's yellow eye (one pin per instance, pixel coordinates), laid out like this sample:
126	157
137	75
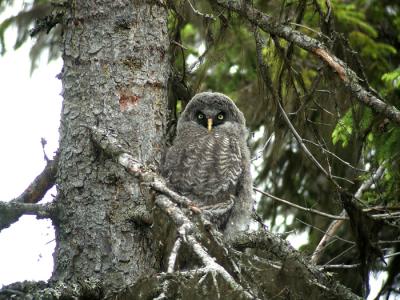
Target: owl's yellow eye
220	117
200	116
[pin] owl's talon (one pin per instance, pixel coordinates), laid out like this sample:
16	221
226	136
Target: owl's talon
195	209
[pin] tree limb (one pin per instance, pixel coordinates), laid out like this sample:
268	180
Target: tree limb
11	211
284	251
41	184
234	269
347	76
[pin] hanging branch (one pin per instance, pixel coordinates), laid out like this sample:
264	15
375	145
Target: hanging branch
347	76
335	225
264	69
359	221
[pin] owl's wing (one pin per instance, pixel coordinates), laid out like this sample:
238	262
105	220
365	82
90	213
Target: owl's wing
241	212
178	160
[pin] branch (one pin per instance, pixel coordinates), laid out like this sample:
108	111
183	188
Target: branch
292	260
347	76
206	16
89	288
173	255
41	184
11	211
225	266
335	225
186	228
325	150
110	145
264	69
314	211
343	266
212	267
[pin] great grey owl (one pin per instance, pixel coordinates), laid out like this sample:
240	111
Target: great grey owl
209	161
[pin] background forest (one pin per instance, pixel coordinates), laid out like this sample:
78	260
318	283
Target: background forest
312	141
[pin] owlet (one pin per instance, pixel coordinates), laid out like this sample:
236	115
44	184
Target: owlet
209	161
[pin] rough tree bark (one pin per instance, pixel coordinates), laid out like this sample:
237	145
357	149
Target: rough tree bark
115	76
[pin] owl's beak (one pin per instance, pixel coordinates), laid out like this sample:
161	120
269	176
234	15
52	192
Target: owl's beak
209	124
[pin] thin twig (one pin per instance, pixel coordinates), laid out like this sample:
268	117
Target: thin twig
311	29
329	234
310	210
179	44
392	255
339	266
324	150
340	254
259	153
352	266
323	231
367	183
207	16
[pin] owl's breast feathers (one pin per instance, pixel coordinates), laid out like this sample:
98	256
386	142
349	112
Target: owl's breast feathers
206	167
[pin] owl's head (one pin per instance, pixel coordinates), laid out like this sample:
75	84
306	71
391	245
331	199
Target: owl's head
211	110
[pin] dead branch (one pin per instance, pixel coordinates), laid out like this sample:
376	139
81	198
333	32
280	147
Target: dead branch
341	217
11	211
196	12
343	266
41	184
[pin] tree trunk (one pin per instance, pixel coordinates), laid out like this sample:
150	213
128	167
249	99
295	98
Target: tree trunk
115	76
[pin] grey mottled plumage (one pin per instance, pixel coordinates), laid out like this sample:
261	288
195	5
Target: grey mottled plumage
212	167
